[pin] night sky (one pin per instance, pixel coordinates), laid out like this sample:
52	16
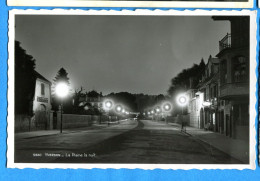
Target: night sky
137	54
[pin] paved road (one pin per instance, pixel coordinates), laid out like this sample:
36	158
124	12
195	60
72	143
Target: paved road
148	142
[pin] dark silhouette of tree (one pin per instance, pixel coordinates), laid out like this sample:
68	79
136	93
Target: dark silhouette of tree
62	76
24	80
93	94
186	79
125	98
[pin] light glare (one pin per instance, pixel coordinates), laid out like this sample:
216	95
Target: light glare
62	89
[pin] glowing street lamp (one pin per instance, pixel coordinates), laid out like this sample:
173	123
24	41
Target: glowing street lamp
158	109
61	90
167	107
119	108
108	105
182	101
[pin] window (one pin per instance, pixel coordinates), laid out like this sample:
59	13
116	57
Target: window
42	89
239	67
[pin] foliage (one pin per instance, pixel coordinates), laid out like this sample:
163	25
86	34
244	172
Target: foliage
62	76
186	79
24	80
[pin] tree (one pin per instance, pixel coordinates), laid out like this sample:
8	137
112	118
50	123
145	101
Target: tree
187	78
24	80
62	76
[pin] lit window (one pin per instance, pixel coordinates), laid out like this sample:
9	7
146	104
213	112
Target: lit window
239	69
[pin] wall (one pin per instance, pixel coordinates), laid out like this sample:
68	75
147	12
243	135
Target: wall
195	111
23	123
77	121
42	104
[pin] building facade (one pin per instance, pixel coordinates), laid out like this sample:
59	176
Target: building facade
203	102
42	102
221	100
40	118
234	78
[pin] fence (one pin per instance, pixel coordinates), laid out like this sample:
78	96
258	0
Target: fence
29	123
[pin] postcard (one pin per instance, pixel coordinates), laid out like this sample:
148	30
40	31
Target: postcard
132	89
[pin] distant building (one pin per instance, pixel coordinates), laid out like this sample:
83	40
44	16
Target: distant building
91	100
234	78
94	99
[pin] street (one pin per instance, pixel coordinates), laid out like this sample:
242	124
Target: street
132	141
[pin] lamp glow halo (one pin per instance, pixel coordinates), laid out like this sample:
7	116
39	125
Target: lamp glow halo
62	89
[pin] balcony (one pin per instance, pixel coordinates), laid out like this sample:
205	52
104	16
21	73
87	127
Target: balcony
225	42
234	89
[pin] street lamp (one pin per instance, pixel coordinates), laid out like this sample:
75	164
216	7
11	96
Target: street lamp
119	108
108	105
182	101
61	91
152	112
166	107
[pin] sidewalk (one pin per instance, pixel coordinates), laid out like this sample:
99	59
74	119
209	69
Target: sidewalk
40	133
238	149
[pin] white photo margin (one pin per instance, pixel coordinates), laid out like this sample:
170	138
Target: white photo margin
253	84
116	3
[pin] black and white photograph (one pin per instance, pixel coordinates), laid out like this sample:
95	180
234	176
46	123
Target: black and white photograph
163	89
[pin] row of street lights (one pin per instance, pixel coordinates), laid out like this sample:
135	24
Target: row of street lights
62	90
108	105
167	107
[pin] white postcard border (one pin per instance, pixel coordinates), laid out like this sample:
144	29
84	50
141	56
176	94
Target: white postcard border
107	3
253	84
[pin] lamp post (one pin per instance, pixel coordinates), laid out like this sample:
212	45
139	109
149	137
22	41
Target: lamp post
152	112
108	105
182	101
158	111
166	107
62	91
119	110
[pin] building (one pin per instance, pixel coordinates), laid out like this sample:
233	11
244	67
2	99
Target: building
42	102
94	99
208	87
234	78
41	107
203	101
220	102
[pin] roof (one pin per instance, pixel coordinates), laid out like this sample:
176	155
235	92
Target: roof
39	76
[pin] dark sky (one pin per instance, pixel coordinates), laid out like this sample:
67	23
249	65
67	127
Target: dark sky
138	54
